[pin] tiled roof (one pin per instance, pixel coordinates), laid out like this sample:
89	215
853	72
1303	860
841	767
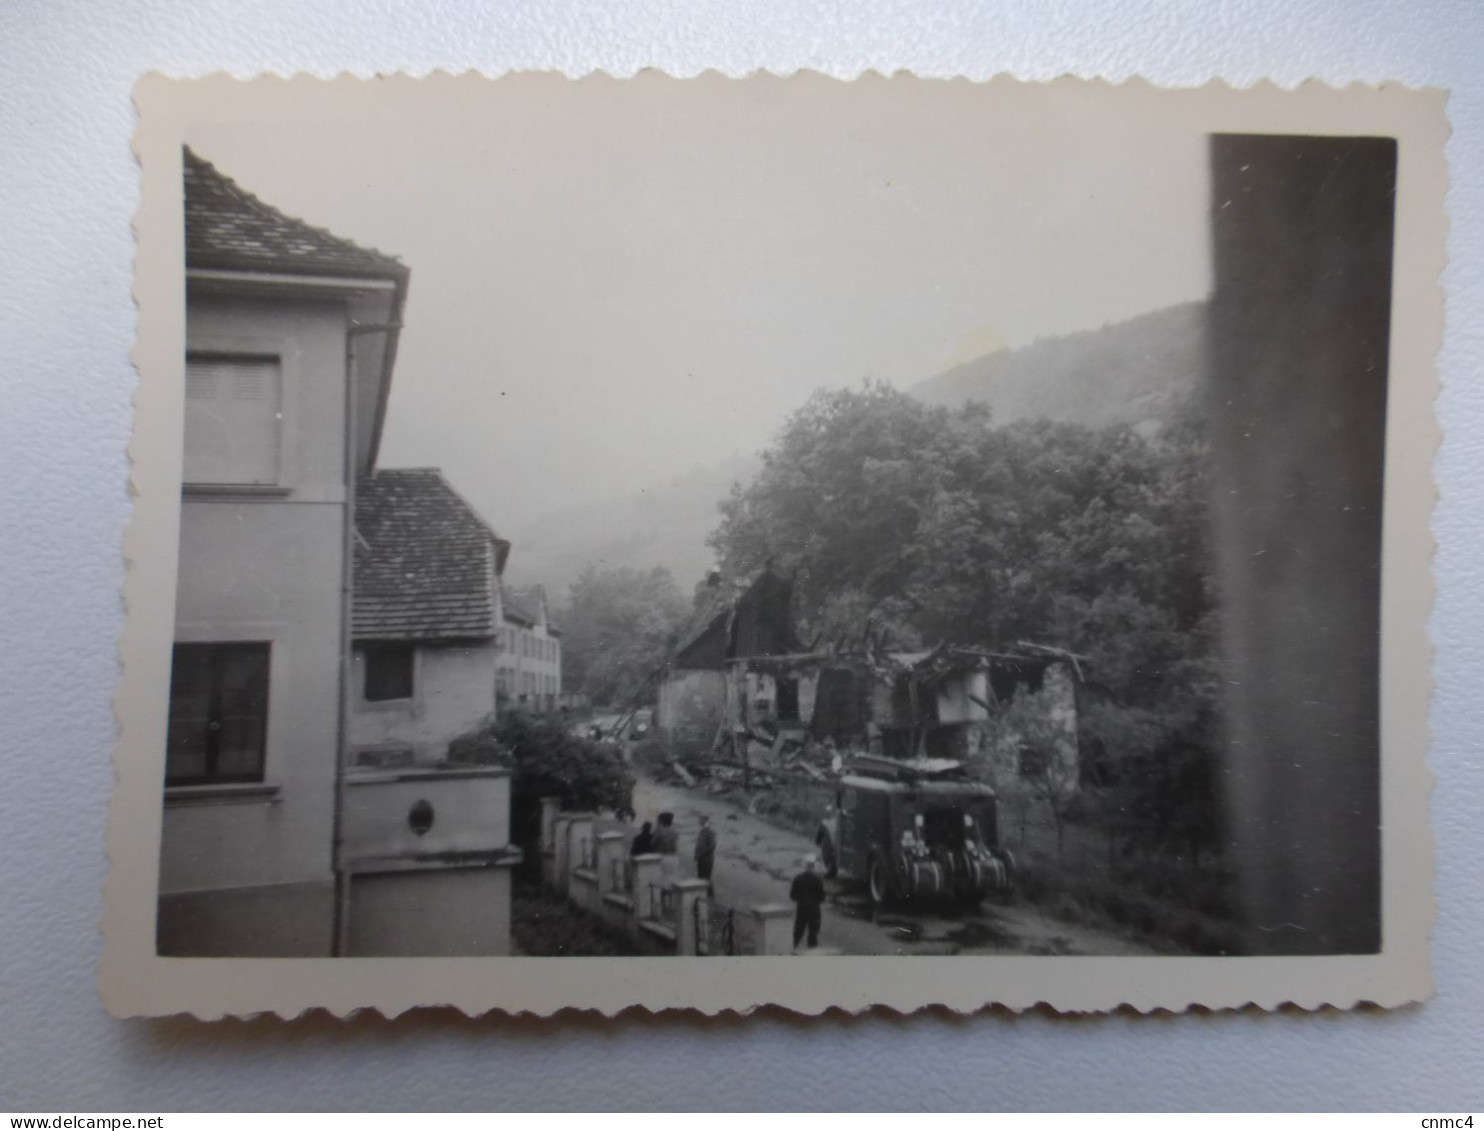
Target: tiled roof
426	565
226	227
707	619
727	625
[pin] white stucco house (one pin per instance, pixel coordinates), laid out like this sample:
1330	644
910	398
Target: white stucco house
266	847
530	665
427	612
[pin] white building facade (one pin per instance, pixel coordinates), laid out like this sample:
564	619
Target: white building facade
529	671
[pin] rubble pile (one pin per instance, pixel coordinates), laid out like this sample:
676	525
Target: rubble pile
760	757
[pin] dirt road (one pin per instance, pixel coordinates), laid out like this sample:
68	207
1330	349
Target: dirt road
755	863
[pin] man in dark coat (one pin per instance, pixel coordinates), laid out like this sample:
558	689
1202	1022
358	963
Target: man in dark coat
824	838
667	844
807	893
705	849
643	843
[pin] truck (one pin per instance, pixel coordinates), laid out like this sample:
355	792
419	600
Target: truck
921	830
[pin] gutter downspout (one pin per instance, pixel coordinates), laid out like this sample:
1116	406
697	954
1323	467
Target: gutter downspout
340	917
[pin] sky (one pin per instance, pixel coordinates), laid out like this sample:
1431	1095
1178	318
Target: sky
615	284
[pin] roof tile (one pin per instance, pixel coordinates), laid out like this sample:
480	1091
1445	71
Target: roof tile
226	227
426	564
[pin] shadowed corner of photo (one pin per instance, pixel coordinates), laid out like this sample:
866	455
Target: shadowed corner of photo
1302	233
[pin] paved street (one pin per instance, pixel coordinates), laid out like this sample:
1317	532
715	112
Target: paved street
755	863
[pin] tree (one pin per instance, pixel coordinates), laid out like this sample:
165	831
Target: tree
547	760
618	627
932	525
1042	754
840	501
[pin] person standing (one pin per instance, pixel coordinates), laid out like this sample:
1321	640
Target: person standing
643	843
705	852
825	839
807	892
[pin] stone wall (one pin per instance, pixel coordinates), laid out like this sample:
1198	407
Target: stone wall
585	858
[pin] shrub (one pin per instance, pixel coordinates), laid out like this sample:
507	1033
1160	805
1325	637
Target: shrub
547	760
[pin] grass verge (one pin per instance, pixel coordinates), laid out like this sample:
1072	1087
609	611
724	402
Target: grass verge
543	925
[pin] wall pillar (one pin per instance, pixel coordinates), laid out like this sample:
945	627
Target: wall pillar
611	846
579	840
550	807
687	892
773	928
648	876
561	858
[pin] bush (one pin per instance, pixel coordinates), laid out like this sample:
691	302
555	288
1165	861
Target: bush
547	926
547	760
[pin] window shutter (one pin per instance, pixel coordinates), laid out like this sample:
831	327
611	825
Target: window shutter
233	413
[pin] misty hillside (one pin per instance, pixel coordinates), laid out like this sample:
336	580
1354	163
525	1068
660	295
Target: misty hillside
1126	373
666	525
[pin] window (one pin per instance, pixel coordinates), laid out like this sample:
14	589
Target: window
788	699
389	672
218	714
233	409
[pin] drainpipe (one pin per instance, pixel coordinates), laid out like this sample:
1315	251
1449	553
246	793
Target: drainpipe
340	919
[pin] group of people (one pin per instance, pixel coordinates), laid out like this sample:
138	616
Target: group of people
660	837
663	839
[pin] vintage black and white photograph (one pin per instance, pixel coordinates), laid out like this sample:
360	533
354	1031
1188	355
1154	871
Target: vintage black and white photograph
650	520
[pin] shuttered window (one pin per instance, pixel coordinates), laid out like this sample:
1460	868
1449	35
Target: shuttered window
233	420
218	714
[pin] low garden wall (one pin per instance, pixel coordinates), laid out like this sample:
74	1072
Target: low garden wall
586	859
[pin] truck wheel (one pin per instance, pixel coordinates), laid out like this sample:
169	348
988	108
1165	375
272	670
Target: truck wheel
878	881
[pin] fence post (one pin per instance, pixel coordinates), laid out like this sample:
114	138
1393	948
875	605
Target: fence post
647	872
561	866
687	892
773	928
550	807
610	852
579	837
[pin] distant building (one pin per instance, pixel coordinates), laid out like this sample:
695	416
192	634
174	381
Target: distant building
267	847
530	663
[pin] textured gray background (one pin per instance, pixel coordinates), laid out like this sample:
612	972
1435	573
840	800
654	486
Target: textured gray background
66	195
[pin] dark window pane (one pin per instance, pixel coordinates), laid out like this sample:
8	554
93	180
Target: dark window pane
389	672
218	713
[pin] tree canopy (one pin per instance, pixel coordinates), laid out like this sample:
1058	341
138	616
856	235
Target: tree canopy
617	628
928	524
547	760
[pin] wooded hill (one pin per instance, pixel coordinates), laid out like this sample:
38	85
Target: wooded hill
1132	372
1127	373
